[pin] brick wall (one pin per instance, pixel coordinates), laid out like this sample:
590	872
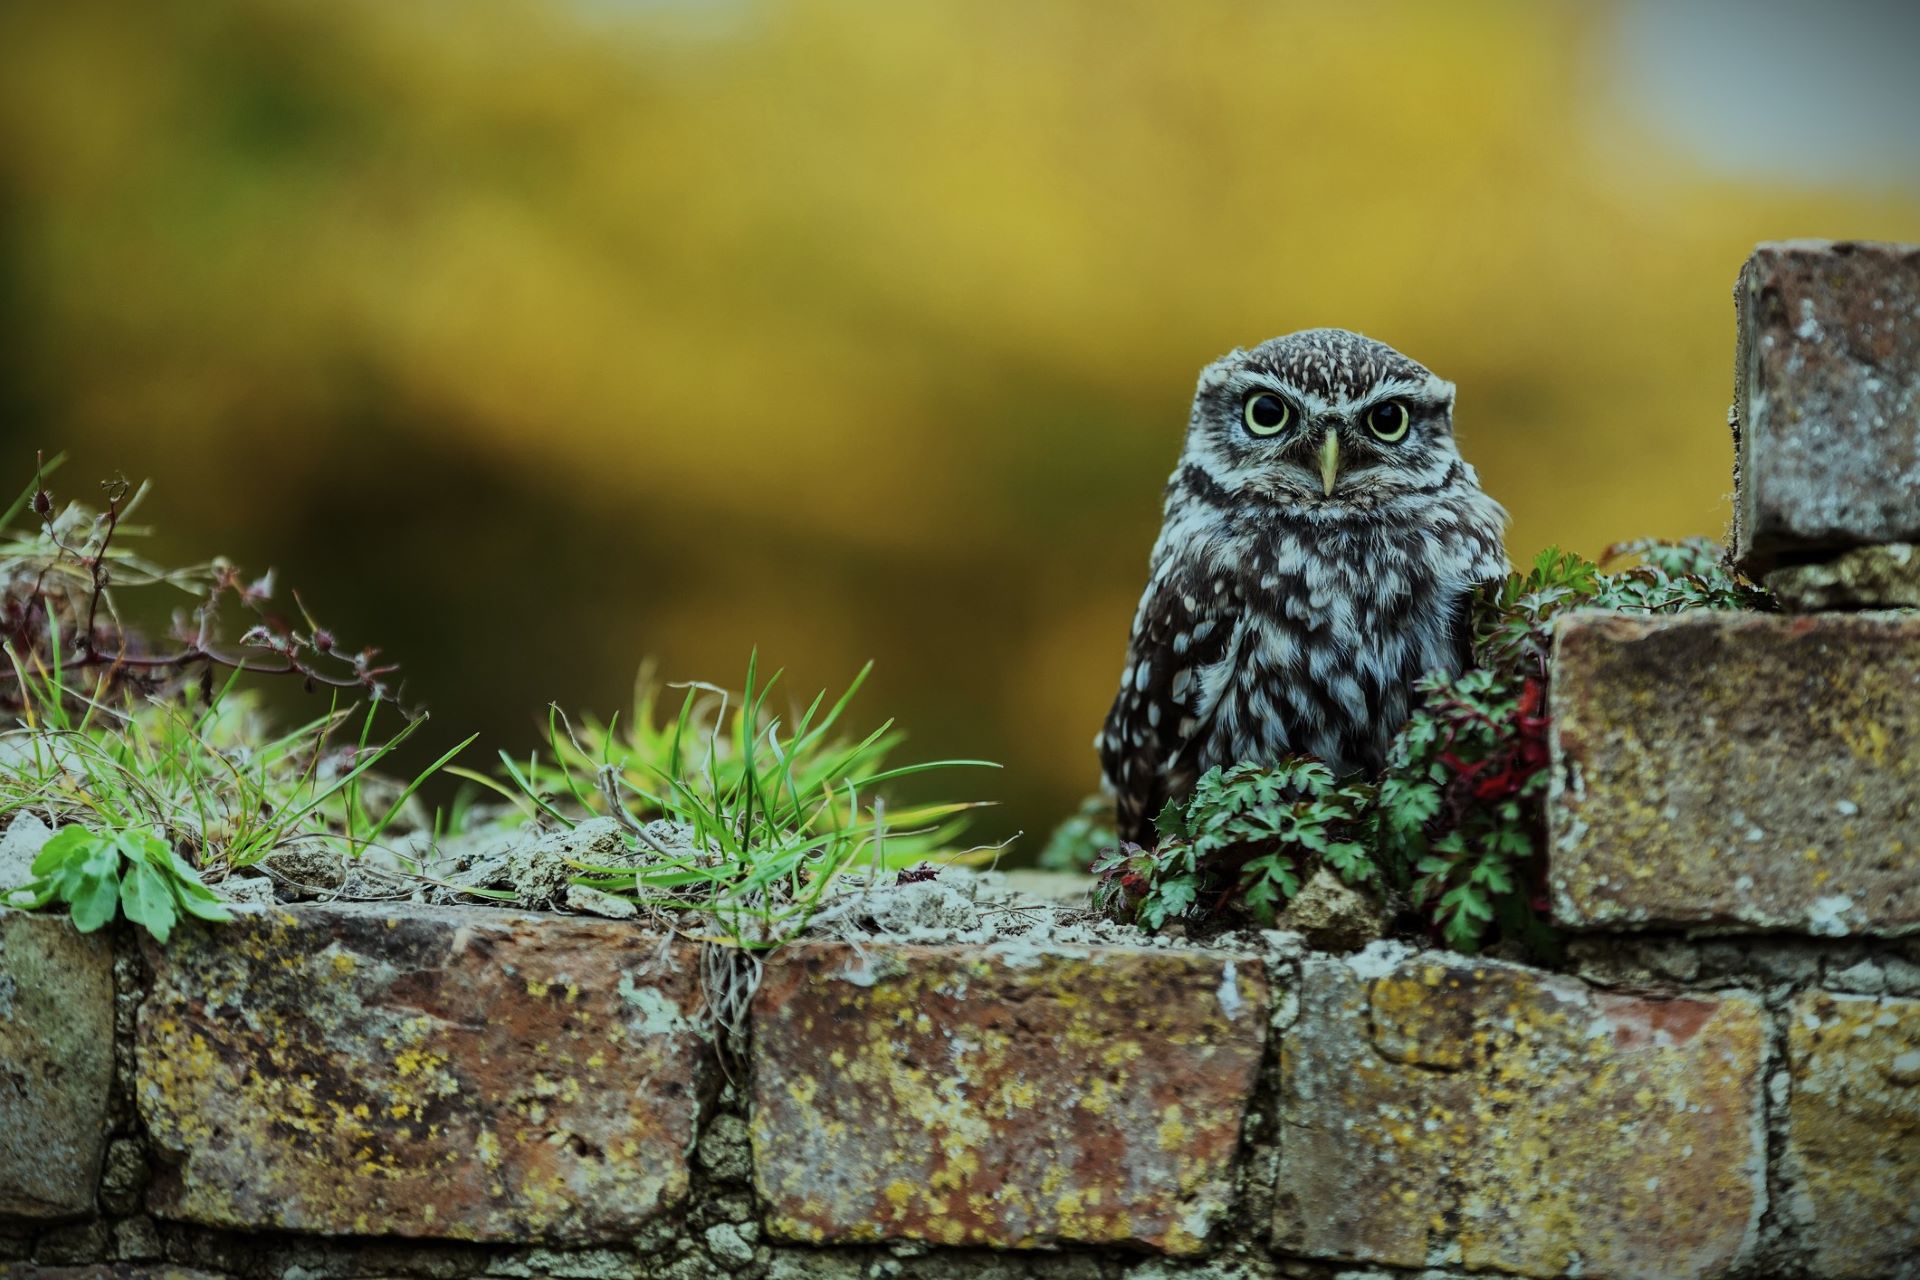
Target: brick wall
1725	1081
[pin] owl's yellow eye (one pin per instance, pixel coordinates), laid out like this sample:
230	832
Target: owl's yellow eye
1267	414
1388	421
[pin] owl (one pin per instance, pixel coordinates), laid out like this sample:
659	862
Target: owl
1320	541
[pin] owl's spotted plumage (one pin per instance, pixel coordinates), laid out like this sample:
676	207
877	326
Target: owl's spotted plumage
1321	536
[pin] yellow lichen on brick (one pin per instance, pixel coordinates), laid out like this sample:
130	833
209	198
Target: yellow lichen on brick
1733	768
996	1082
1853	1130
1525	1111
357	1093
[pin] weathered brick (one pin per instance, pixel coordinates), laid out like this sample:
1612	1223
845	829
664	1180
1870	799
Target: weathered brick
1010	1096
1826	399
1852	1158
103	1271
1745	769
56	1064
411	1071
1438	1110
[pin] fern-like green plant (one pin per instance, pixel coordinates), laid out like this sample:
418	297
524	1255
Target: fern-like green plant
1453	831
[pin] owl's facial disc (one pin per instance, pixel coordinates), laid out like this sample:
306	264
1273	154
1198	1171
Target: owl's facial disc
1323	419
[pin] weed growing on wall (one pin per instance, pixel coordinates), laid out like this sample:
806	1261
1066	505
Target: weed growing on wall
733	812
148	756
1453	832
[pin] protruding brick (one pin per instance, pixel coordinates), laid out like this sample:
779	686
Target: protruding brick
56	1064
1009	1096
1441	1111
402	1070
1853	1134
1740	769
1826	399
1878	577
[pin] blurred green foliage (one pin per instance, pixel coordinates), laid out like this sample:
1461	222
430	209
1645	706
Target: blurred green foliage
540	338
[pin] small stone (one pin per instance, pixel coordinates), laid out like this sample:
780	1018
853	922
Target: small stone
1517	1121
541	870
733	1206
1672	958
26	836
1852	1158
725	1242
382	1069
583	1264
253	890
56	1064
1017	1095
1864	977
1826	400
1698	761
1902	977
125	1179
596	902
306	867
694	1266
1332	915
1884	577
725	1149
136	1240
538	873
807	1264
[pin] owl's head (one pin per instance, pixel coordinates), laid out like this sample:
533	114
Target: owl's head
1322	418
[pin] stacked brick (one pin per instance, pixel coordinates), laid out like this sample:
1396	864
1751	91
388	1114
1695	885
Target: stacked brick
1725	1084
1762	772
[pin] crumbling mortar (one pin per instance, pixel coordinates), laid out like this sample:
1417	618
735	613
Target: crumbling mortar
269	1255
717	1231
1256	1165
1774	1252
1751	962
1777	969
126	1170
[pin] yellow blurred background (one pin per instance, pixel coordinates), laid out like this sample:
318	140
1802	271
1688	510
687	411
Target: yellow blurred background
530	339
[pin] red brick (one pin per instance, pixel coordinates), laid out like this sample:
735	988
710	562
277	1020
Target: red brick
1004	1096
412	1071
1442	1111
1852	1160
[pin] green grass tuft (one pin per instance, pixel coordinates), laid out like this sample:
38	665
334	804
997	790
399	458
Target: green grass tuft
735	813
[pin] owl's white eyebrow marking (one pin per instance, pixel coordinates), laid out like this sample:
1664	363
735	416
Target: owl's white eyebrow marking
1246	382
1430	390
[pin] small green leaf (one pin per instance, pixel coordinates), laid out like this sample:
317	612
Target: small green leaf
70	844
97	898
147	900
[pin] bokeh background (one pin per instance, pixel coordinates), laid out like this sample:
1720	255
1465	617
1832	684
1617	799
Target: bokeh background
530	339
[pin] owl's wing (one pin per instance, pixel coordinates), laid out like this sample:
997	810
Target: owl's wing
1183	632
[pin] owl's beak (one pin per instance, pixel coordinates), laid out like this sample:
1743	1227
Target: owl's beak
1329	461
